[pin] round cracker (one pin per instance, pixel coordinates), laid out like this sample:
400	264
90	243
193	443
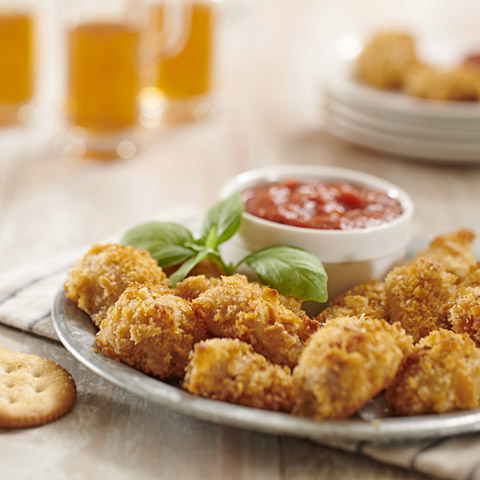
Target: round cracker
33	390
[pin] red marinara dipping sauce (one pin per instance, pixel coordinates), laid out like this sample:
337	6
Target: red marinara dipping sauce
473	60
326	206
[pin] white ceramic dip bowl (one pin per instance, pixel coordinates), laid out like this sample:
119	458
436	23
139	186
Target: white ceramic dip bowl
349	256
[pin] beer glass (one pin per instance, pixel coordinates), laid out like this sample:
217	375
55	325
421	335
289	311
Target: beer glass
180	75
103	71
18	22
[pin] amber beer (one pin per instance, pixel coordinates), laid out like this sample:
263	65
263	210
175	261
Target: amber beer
103	76
179	79
186	72
16	64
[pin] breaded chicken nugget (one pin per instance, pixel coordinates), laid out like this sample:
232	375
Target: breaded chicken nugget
345	364
453	251
416	296
441	375
238	309
385	59
464	314
192	287
366	299
472	278
292	303
229	370
458	84
150	330
104	272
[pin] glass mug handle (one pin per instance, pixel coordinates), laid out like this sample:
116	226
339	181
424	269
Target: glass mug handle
171	35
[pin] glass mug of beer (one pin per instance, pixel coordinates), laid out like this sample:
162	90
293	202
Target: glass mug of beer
102	76
180	73
17	59
117	49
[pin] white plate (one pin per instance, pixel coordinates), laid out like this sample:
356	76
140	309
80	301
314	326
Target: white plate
467	125
420	130
396	123
401	145
77	334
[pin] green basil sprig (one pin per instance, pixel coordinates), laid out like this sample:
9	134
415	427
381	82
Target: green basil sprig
290	270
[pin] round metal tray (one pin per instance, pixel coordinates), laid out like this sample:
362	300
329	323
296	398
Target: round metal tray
372	423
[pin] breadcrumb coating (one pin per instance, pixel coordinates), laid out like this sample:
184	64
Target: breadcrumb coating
293	304
192	287
104	272
472	278
417	295
458	84
464	314
441	375
238	309
453	251
150	330
229	370
367	299
345	364
385	59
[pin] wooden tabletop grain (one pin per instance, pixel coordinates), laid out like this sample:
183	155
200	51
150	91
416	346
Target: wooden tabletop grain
271	68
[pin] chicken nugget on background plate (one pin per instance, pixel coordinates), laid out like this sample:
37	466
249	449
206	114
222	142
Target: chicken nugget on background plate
385	59
457	84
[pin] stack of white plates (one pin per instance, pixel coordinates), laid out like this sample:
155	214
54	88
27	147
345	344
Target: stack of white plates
399	124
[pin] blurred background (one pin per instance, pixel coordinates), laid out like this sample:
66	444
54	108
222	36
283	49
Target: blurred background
112	111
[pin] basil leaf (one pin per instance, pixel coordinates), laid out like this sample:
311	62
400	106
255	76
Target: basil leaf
183	271
225	216
167	255
147	234
211	238
290	270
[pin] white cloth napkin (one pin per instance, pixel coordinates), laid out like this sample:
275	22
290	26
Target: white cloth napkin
26	294
26	297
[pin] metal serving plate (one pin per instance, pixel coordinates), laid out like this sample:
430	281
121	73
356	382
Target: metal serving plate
373	423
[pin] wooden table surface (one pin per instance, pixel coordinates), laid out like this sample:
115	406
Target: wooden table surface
270	80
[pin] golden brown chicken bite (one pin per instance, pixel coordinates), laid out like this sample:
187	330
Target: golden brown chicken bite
472	278
453	251
293	304
441	375
464	314
416	296
366	299
229	370
457	84
150	330
345	364
238	309
192	287
105	271
385	59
